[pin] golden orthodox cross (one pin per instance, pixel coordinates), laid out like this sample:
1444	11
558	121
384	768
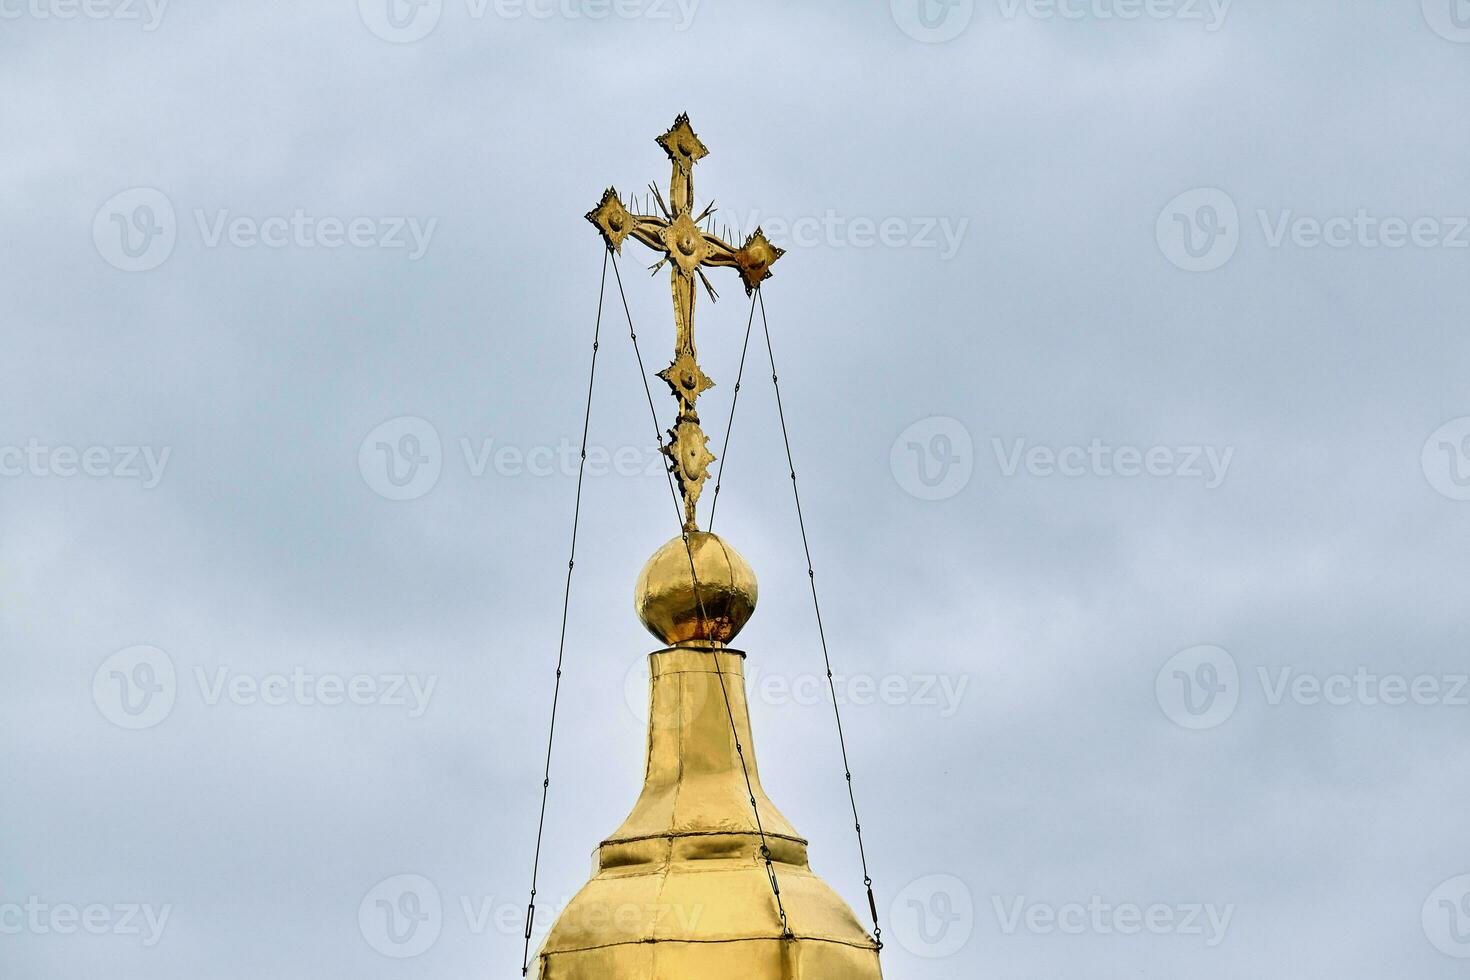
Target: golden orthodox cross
689	248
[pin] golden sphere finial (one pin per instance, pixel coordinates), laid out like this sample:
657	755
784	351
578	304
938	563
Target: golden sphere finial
667	601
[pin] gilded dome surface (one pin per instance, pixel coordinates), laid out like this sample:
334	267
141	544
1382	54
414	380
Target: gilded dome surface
676	610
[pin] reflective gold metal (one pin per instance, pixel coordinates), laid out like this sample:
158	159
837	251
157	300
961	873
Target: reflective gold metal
678	236
668	604
683	889
680	889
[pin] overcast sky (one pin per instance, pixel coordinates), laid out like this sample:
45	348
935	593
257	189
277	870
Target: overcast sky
1124	356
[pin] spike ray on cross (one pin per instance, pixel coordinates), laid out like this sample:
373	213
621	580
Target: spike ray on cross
678	239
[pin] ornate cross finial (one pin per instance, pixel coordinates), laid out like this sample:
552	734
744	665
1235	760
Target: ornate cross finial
688	248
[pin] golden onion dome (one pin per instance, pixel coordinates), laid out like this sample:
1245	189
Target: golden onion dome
677	612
